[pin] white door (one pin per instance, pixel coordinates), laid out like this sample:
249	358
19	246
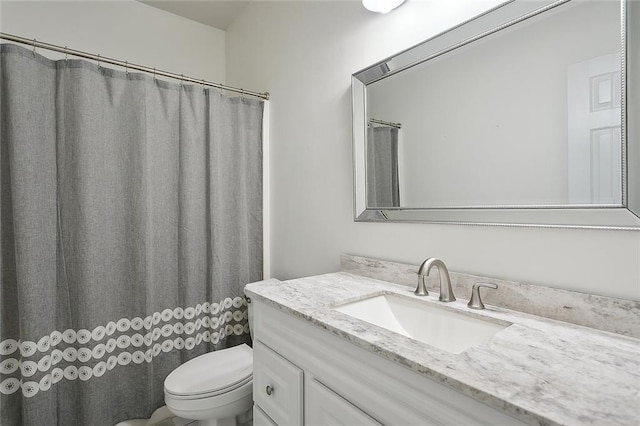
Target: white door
594	131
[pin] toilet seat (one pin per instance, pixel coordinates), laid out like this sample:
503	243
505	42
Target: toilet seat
216	392
211	374
217	385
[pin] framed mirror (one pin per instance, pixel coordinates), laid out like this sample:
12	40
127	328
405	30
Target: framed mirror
523	116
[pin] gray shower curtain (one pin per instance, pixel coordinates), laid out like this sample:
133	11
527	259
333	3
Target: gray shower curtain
130	220
383	189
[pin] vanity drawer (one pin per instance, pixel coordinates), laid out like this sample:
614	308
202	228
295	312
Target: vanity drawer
325	407
277	386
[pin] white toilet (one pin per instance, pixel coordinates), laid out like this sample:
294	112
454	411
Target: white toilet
213	388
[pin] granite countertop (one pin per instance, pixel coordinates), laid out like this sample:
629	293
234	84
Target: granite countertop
538	370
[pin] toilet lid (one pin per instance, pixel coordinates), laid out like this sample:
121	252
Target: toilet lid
224	369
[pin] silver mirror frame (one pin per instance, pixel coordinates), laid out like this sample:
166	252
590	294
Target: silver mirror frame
611	217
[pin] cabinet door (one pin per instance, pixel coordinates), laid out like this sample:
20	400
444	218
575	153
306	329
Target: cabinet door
277	386
260	418
326	408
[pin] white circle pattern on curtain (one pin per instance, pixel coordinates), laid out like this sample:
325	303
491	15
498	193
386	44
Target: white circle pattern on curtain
205	322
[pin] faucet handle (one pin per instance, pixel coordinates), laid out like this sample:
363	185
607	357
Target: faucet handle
476	301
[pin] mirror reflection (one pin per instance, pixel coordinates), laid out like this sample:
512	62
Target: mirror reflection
527	116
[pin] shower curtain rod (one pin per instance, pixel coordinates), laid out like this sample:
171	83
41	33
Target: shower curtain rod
386	123
125	64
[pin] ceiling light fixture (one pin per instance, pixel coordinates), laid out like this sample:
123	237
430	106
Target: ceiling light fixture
381	6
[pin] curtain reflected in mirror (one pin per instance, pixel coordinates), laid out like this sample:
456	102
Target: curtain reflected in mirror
383	189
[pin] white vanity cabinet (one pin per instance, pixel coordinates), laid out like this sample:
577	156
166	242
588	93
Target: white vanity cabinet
260	418
325	407
304	375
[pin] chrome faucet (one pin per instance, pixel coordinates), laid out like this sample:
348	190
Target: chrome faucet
446	292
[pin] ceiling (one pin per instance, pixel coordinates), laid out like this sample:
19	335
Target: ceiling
216	13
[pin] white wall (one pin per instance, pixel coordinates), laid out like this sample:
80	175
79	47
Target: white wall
122	29
304	53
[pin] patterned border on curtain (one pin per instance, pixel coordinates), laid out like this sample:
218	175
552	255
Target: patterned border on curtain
82	354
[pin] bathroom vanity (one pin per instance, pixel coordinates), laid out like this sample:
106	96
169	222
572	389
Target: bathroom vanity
317	362
303	375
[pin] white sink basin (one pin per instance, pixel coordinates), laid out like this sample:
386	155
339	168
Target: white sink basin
450	331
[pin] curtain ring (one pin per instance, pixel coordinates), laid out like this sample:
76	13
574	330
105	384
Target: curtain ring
98	61
126	67
203	89
34	46
154	74
66	54
181	79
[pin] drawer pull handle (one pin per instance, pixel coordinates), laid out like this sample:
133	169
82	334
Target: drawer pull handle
269	390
